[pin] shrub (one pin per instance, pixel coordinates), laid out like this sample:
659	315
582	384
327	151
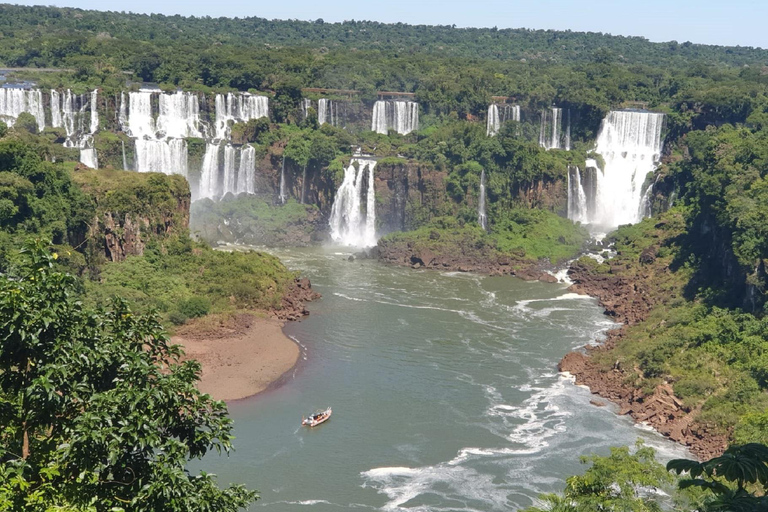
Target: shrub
194	307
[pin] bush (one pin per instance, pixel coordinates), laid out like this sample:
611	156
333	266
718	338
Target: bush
194	307
177	318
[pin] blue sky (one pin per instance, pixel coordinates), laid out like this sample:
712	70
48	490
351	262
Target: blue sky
731	22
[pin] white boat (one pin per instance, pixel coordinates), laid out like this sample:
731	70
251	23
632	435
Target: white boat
317	418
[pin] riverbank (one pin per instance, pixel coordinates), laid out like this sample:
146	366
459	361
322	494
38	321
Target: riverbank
244	354
637	289
241	356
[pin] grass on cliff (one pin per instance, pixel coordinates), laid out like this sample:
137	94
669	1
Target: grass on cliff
122	192
715	359
183	279
522	234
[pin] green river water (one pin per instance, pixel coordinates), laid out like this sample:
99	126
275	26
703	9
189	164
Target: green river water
444	389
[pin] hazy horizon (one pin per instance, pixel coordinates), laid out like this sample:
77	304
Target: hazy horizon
737	23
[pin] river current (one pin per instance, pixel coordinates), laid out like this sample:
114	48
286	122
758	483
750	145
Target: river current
444	390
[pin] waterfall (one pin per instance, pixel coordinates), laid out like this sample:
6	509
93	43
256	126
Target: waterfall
122	117
568	133
240	107
550	131
283	197
630	144
306	104
209	176
166	156
94	111
492	123
140	121
56	109
500	114
481	217
179	115
229	170
401	116
15	101
577	198
88	157
322	111
125	160
247	171
349	225
303	184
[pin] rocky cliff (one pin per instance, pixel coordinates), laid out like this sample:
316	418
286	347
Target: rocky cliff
132	209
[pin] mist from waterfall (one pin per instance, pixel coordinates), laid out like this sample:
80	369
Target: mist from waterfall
630	144
400	116
349	224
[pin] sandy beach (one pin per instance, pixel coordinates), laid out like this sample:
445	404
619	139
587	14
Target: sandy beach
240	360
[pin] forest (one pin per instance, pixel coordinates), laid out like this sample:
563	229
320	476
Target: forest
701	256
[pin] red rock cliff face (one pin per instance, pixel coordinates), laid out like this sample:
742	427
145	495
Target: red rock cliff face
127	234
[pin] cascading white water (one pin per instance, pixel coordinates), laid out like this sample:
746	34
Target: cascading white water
322	111
140	122
56	108
209	176
482	219
500	114
349	225
122	117
229	170
179	115
15	101
401	116
240	107
246	171
125	160
492	123
551	129
577	198
283	196
306	104
94	111
630	144
167	156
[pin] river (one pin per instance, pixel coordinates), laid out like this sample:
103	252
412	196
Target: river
444	389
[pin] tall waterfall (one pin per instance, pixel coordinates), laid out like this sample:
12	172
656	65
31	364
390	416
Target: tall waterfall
630	145
551	129
234	174
166	156
229	170
327	112
577	197
306	104
482	219
246	171
179	115
240	107
140	122
401	116
209	175
500	114
15	101
349	225
283	195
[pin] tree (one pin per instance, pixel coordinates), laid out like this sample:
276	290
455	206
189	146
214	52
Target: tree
621	482
731	478
96	410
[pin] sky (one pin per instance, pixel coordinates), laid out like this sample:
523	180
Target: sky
724	22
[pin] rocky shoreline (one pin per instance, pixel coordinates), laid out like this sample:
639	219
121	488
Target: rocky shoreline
628	300
293	304
487	263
